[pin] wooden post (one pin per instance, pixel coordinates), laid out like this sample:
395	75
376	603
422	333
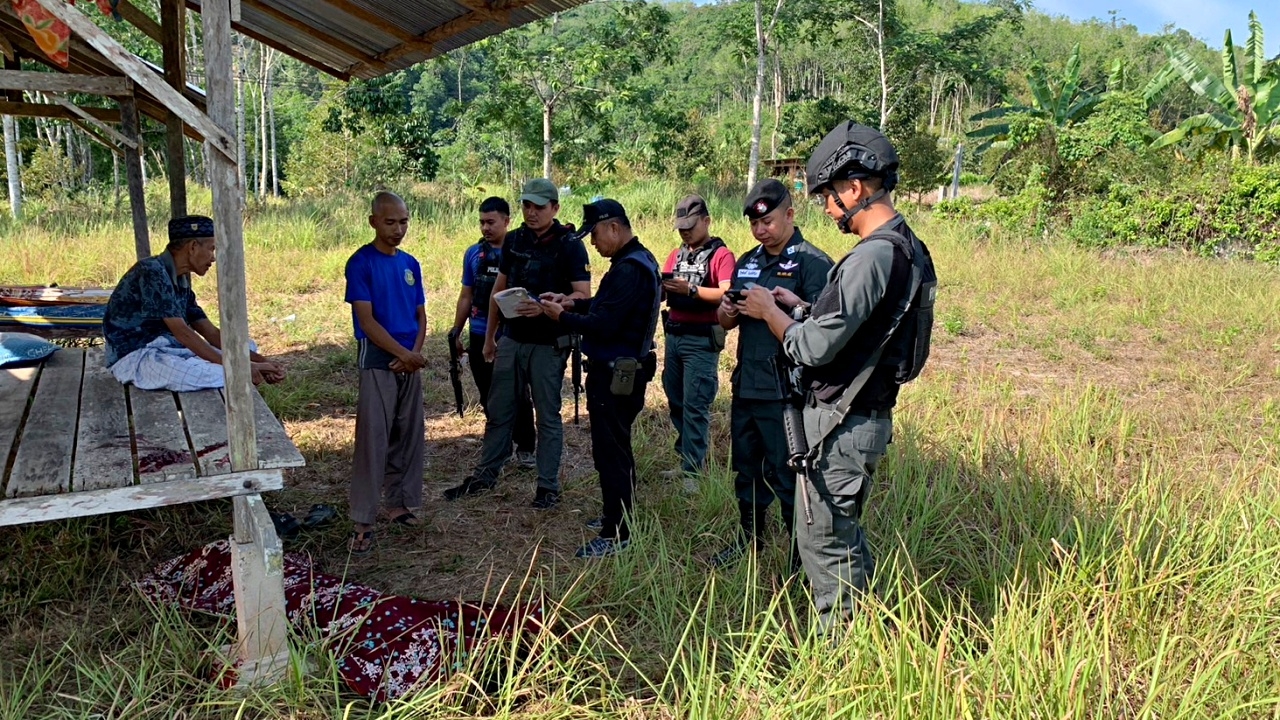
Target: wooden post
133	174
173	22
257	569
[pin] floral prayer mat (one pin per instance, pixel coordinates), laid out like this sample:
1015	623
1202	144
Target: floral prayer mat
51	34
386	645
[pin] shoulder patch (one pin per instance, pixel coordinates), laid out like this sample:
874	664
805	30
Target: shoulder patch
408	277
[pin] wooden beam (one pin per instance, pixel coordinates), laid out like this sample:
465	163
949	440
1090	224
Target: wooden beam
228	218
216	137
287	50
333	41
42	508
141	20
26	109
86	118
7	48
32	81
97	137
133	173
479	14
173	21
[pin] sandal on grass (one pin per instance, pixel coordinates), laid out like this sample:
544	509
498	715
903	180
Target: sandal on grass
287	526
319	515
407	518
361	542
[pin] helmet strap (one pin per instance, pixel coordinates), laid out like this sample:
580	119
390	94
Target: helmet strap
850	213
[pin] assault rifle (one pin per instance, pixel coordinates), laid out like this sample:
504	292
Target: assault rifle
455	371
793	393
576	375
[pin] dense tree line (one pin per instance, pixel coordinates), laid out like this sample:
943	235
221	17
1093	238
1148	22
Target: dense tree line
620	89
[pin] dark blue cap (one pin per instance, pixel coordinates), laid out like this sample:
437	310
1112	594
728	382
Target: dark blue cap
190	227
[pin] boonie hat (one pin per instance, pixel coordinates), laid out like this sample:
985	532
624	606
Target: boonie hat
540	191
689	210
765	197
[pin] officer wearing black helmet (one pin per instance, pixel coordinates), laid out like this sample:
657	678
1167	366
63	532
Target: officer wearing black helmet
617	327
866	334
785	260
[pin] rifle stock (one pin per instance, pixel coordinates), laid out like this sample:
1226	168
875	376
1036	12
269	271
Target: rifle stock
455	372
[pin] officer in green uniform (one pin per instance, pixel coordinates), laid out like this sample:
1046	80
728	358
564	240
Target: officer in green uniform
783	259
867	333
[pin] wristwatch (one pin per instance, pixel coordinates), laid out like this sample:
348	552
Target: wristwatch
693	291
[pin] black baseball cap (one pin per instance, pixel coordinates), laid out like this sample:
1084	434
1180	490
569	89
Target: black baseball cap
689	210
599	211
765	197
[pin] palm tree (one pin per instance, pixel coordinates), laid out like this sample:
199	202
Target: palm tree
1057	104
1246	108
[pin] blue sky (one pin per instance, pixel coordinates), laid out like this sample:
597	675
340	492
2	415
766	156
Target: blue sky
1206	19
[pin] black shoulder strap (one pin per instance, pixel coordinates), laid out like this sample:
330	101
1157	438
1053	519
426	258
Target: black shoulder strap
830	422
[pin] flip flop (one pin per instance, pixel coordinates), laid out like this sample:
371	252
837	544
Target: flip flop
361	542
287	526
319	515
407	518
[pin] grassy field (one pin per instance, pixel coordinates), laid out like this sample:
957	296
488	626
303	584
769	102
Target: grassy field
1079	516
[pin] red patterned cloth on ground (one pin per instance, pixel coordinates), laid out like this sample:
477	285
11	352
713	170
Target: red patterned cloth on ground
386	645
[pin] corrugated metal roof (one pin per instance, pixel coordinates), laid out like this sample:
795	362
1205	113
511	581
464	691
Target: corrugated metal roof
369	38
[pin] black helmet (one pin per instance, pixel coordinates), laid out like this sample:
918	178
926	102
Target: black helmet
852	151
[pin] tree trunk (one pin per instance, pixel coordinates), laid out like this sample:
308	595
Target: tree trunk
884	70
271	121
757	99
777	103
115	178
13	166
547	110
263	154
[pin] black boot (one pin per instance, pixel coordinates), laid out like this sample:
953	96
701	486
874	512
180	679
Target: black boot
751	521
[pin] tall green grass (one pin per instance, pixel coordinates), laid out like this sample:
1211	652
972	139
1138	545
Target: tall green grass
1079	516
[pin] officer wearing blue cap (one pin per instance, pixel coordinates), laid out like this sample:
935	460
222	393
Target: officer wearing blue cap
157	335
617	327
783	259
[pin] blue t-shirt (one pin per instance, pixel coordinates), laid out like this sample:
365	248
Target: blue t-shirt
393	284
474	269
151	291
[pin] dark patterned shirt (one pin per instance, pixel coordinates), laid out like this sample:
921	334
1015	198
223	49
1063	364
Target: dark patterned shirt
151	291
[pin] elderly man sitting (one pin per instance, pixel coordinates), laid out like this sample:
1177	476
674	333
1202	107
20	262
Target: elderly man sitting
157	335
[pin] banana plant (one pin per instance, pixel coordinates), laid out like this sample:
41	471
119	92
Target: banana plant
1245	114
1058	104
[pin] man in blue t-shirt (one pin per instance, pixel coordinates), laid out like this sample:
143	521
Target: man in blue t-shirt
480	266
388	309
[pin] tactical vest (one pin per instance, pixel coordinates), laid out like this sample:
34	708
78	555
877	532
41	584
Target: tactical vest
904	353
485	277
632	339
694	267
534	264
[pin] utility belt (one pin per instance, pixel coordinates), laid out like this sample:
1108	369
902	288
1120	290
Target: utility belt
627	374
873	413
671	327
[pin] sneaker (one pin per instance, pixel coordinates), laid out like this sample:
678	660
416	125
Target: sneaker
469	486
526	459
690	485
731	554
545	499
596	524
671	474
600	547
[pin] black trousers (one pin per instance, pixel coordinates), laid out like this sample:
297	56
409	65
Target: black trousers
611	419
524	435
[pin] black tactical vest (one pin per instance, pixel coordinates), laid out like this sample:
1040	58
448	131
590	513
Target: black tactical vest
534	264
694	267
828	382
486	275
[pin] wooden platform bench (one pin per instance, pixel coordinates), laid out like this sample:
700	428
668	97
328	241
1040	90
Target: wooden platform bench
76	442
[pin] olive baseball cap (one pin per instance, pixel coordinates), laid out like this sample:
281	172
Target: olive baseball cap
689	210
540	191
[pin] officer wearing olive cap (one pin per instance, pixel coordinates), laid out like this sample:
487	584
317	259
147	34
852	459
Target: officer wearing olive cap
867	333
783	259
541	256
617	327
